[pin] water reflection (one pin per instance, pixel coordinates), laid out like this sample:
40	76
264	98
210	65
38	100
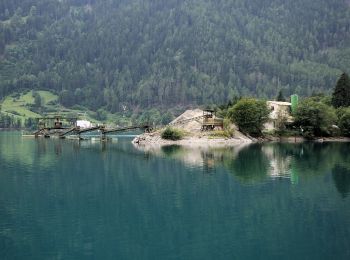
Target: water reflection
198	158
203	158
341	178
251	164
63	199
248	163
256	163
49	145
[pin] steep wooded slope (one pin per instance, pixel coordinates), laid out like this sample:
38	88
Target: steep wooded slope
146	53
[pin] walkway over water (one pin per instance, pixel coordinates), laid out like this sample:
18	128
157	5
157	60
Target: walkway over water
62	132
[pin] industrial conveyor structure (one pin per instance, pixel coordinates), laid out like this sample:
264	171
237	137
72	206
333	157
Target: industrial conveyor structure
62	127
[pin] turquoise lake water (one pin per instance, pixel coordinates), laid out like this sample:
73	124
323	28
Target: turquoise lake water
61	199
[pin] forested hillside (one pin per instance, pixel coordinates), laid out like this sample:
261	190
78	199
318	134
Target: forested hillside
127	54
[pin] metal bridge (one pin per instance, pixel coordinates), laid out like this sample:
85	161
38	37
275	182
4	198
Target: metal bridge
63	132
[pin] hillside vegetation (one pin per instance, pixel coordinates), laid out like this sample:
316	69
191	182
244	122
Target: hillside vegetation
23	105
127	54
18	108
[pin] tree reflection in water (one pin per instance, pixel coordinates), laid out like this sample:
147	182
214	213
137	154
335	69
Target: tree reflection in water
251	165
256	162
341	178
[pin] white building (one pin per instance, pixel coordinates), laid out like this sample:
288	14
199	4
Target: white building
84	123
280	113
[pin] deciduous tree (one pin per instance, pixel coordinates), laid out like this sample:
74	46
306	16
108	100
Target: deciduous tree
315	118
250	115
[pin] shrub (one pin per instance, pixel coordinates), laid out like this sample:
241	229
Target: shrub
250	115
101	114
79	107
14	112
172	134
228	133
49	110
344	121
315	118
52	102
15	96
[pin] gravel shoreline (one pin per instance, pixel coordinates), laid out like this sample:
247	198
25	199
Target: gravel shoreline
197	141
154	139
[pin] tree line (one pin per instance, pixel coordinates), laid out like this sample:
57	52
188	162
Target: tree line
11	122
317	116
141	54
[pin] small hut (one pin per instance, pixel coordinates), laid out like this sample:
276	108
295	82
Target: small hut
210	121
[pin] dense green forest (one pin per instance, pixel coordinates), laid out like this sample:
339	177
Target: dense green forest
133	54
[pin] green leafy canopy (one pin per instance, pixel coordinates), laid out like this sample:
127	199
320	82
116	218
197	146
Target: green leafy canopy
250	115
315	118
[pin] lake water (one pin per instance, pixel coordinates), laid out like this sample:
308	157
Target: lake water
61	199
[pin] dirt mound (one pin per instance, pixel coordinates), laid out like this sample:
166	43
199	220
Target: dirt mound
190	120
188	114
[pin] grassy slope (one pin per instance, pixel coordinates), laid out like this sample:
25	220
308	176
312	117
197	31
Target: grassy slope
19	106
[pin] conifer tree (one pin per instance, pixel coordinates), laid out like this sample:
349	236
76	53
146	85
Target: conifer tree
341	94
280	97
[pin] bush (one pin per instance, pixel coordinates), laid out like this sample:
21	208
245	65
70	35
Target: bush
152	116
227	124
250	115
52	103
228	133
49	110
344	121
79	107
315	118
166	118
287	132
172	134
15	96
101	114
14	112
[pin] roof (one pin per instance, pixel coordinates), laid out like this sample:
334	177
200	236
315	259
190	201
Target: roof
279	103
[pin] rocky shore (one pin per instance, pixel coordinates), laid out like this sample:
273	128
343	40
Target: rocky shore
195	137
203	140
154	139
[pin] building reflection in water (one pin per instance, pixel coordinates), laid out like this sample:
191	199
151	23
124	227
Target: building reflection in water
248	163
196	158
205	158
253	163
280	163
